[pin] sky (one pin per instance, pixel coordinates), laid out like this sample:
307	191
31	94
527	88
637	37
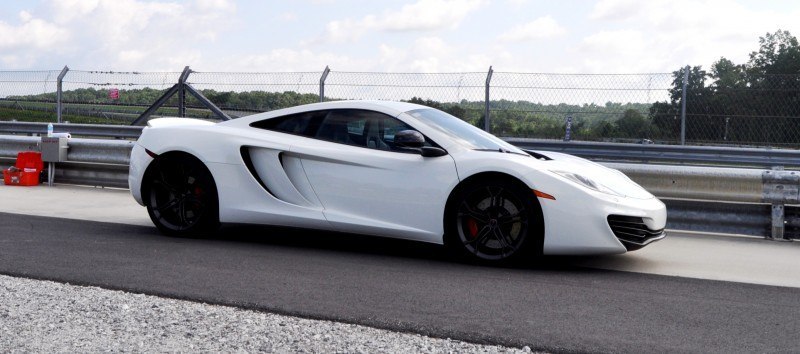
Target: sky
568	36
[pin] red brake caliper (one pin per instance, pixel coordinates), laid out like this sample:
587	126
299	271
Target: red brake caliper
473	227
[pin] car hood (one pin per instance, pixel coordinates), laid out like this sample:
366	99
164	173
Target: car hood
609	177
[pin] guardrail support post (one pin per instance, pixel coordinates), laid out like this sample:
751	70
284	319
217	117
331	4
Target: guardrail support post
486	124
322	83
683	104
182	91
59	91
780	188
778	224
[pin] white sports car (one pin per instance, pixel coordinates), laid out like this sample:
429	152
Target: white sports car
388	169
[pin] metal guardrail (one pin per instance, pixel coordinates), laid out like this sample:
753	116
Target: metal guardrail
713	199
91	130
649	153
115	152
92	162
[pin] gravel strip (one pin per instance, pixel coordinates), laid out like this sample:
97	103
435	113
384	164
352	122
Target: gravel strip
45	316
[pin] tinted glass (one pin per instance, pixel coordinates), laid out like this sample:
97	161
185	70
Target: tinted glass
304	124
462	132
361	128
345	126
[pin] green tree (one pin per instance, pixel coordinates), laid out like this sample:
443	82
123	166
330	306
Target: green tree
632	125
778	54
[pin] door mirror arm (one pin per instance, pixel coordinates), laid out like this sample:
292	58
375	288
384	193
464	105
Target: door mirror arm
432	151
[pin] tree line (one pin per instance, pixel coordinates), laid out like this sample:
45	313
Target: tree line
753	102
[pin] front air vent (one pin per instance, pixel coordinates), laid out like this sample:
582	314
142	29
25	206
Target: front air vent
632	231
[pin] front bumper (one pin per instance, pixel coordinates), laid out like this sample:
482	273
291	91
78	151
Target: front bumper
577	222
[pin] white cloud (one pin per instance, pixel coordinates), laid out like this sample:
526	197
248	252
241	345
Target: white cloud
131	34
617	51
518	3
32	33
423	15
348	30
25	16
432	55
540	28
617	10
670	34
288	16
287	60
426	15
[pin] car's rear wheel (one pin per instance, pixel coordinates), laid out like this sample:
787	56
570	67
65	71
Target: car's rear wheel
493	221
181	196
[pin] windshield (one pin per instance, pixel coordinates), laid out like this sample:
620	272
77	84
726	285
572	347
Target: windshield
462	132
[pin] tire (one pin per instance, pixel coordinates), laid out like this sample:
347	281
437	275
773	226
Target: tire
494	221
181	196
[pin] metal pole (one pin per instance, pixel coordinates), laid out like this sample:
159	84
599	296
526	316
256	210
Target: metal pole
322	83
683	104
486	125
59	92
182	91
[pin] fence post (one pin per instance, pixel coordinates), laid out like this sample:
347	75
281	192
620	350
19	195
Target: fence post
59	91
486	124
182	91
683	104
322	83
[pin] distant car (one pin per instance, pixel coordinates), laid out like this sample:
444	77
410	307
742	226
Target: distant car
387	169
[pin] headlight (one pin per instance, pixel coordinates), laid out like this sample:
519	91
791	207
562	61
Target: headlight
587	182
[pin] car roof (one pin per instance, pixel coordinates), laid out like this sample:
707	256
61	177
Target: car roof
392	108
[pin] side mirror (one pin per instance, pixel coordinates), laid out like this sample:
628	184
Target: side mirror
409	139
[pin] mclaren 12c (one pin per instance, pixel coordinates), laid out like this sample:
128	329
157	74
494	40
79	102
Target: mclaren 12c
388	169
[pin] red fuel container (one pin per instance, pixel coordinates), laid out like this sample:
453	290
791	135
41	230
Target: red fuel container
29	159
26	171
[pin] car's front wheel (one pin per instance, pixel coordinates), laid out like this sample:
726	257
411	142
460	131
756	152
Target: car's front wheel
493	221
181	196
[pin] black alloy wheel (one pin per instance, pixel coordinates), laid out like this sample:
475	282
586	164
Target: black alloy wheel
182	196
493	221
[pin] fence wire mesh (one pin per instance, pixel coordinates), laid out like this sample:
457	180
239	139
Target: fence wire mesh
114	97
763	110
28	95
602	107
241	94
460	94
752	111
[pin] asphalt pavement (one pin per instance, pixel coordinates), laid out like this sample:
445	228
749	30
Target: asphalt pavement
556	304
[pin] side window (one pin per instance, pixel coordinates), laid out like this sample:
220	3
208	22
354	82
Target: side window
381	130
390	128
355	127
344	126
304	124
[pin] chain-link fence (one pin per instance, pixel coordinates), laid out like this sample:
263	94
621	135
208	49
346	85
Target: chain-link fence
763	111
460	94
601	107
114	97
241	94
28	95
